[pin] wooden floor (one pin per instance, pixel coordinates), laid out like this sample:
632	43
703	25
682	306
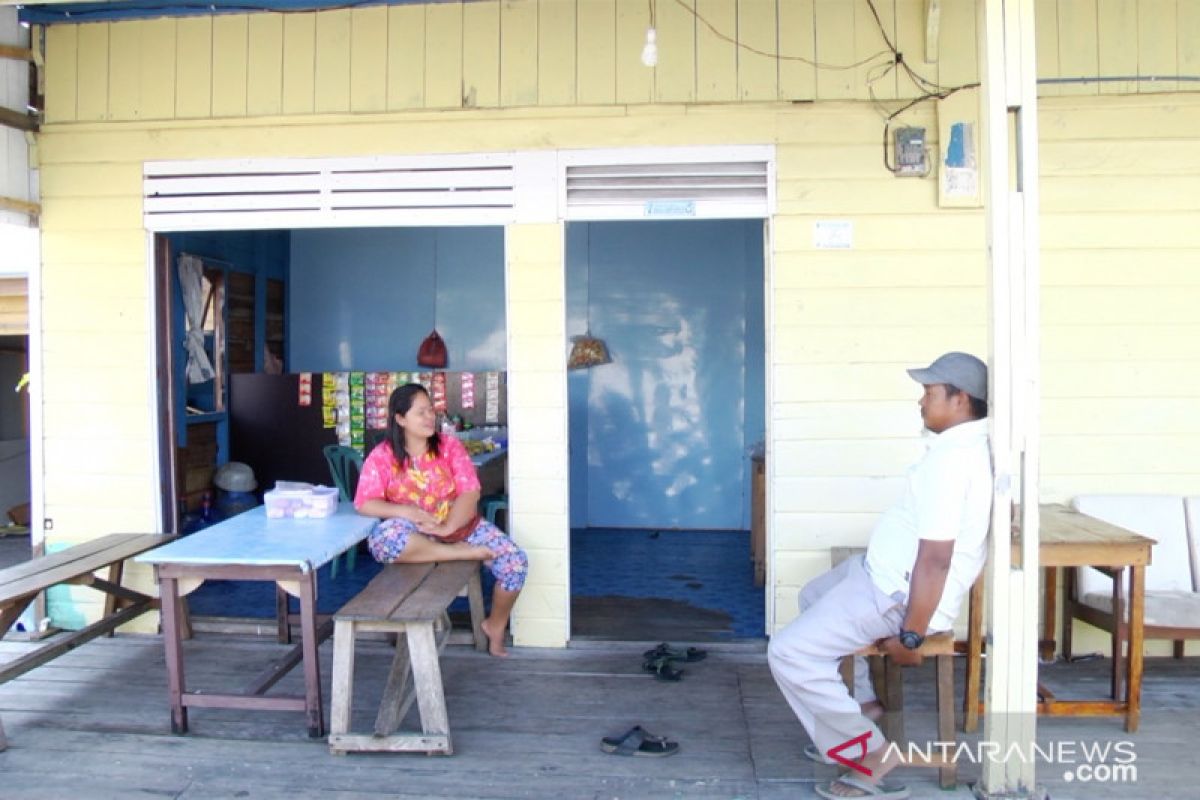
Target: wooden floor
94	724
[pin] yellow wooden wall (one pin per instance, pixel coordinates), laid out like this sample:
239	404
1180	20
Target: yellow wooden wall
1120	227
555	53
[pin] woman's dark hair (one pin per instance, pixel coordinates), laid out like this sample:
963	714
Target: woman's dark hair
399	403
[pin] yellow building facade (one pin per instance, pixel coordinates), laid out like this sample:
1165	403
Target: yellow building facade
813	79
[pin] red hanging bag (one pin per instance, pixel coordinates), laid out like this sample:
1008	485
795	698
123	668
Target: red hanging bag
432	352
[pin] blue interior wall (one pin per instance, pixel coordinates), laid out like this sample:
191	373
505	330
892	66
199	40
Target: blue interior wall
363	299
659	437
263	254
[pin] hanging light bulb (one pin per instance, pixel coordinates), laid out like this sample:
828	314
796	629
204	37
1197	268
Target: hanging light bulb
650	50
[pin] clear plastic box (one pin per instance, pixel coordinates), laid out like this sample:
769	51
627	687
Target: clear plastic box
293	499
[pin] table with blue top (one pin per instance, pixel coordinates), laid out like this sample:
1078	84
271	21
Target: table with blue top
253	547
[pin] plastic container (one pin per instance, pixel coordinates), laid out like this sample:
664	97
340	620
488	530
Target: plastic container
322	501
286	503
298	500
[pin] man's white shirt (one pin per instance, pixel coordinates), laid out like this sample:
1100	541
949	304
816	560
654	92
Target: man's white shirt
947	497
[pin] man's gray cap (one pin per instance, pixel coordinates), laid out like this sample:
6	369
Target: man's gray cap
961	370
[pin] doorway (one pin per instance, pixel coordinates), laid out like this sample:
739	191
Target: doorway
283	309
661	438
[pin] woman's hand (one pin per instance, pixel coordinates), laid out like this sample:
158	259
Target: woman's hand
421	518
434	528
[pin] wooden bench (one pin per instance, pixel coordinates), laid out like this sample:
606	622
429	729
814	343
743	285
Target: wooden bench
20	584
409	600
890	685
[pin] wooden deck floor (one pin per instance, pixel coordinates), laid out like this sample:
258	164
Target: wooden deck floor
94	724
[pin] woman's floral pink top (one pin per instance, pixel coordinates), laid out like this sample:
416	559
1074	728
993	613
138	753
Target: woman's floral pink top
430	483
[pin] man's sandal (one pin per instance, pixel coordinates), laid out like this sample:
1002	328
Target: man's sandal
662	669
637	741
861	788
664	650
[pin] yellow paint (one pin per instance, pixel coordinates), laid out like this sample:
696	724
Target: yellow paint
556	76
264	65
92	62
1117	28
125	71
717	65
758	75
331	85
157	71
596	51
406	57
518	53
443	55
797	76
481	54
368	58
299	65
62	54
634	81
193	67
230	76
675	75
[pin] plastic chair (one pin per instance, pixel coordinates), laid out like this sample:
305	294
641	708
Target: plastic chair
345	465
493	503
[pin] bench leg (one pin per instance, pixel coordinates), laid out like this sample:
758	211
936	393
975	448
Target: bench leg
475	601
948	772
115	572
342	689
893	702
394	704
427	680
3	738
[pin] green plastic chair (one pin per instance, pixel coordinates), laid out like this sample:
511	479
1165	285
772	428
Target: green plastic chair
345	465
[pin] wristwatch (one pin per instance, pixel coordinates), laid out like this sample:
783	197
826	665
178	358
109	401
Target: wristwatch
910	639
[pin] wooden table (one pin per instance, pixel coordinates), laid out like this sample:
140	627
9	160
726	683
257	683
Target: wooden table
252	547
1071	539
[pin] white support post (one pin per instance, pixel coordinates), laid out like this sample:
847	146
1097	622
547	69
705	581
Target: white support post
1009	112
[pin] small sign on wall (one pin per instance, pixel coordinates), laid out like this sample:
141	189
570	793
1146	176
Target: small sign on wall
958	150
833	234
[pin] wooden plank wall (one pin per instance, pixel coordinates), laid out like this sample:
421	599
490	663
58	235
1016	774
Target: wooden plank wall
485	54
490	54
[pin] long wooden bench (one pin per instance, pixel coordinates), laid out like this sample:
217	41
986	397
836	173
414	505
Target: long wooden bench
77	565
409	600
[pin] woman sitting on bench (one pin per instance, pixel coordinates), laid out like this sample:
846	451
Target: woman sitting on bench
423	488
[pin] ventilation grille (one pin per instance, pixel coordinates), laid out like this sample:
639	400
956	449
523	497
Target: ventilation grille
298	193
699	189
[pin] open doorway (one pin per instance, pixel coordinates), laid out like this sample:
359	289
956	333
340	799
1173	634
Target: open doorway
306	332
662	438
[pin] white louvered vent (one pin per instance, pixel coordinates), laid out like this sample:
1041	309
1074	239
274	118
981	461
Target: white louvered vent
306	193
679	189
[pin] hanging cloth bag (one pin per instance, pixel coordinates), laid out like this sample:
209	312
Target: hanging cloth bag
432	352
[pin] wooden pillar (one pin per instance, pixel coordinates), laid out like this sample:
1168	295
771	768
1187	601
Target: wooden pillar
1009	116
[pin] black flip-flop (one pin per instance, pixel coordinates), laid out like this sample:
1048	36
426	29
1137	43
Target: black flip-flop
637	741
691	655
662	669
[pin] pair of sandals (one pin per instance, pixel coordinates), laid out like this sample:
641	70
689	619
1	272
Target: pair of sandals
658	660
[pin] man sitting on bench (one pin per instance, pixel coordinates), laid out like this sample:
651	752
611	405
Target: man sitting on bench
424	489
923	557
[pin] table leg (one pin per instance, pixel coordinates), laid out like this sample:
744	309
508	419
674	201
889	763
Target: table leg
115	573
1133	683
169	592
282	612
1049	614
312	669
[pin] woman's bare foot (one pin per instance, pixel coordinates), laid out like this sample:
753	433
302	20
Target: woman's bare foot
477	552
495	640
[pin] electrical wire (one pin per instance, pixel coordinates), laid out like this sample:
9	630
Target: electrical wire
778	56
